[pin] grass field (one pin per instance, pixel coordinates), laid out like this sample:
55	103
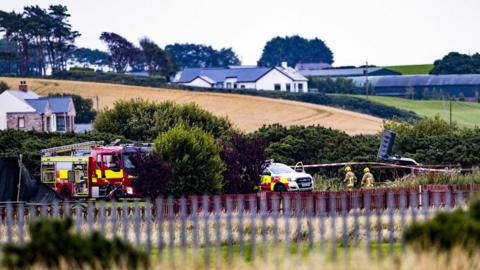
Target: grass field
412	69
248	113
466	114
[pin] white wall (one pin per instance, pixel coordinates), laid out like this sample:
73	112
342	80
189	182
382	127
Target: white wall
198	82
231	81
247	85
268	81
10	103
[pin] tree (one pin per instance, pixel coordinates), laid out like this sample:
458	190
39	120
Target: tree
3	86
88	57
41	37
122	51
201	56
295	49
243	157
142	120
456	63
195	157
153	175
83	107
157	60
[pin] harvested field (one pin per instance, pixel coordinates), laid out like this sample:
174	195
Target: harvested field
248	113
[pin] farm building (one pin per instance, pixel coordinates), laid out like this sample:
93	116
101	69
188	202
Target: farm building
25	110
346	72
281	78
419	86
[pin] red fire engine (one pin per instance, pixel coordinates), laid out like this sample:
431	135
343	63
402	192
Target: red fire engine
90	170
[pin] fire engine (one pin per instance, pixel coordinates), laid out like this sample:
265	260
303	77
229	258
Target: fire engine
90	170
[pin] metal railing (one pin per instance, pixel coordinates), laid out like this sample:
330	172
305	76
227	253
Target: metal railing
246	225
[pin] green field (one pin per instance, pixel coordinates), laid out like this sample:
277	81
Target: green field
412	69
466	114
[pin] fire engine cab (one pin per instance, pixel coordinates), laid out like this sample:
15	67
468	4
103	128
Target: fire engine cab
90	170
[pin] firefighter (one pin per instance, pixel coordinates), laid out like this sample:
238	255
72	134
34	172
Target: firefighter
350	177
367	179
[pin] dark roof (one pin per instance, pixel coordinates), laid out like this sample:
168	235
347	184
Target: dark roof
59	104
427	80
312	66
219	74
345	72
40	105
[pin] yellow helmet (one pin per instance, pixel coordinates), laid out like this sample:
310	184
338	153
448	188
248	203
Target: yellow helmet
366	170
348	169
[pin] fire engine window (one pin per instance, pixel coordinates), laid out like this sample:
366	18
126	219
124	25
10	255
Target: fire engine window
99	162
111	162
127	163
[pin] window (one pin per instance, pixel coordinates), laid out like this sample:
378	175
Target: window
21	122
277	86
229	85
288	87
61	123
235	85
111	162
242	86
300	87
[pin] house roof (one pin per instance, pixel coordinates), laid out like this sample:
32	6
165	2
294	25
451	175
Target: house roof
59	104
312	66
40	105
342	72
24	94
243	74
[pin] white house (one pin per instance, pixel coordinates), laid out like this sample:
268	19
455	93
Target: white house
25	110
282	78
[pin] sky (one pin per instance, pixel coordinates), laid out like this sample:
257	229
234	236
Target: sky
382	32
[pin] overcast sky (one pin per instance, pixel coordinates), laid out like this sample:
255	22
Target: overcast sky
382	32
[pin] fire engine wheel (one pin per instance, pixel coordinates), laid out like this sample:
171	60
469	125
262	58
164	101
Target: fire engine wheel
279	188
65	192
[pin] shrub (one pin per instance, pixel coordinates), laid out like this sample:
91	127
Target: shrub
3	86
195	157
52	242
141	120
243	157
153	175
448	230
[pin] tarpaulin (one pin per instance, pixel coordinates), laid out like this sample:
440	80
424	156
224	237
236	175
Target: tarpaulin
31	190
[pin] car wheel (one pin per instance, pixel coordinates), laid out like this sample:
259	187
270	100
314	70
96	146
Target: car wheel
279	188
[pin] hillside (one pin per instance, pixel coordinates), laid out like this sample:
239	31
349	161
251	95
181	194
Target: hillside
412	69
248	113
466	114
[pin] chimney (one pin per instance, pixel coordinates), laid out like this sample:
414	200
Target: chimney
23	86
284	64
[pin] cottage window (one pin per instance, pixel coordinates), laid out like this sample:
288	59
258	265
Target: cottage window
242	86
300	87
288	87
229	85
235	85
277	86
21	122
61	125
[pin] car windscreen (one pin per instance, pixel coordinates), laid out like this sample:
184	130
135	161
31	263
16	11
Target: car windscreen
280	168
127	162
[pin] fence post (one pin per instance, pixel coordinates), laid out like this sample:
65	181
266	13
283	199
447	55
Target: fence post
403	203
333	217
183	226
344	225
391	227
253	227
379	213
414	205
206	227
21	223
298	217
125	220
194	217
321	216
159	216
356	213
171	229
136	223
241	211
9	222
367	200
148	220
102	217
263	216
425	204
78	216
309	222
286	216
276	210
90	216
218	232
229	229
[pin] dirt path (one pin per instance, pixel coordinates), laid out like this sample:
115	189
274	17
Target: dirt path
247	112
